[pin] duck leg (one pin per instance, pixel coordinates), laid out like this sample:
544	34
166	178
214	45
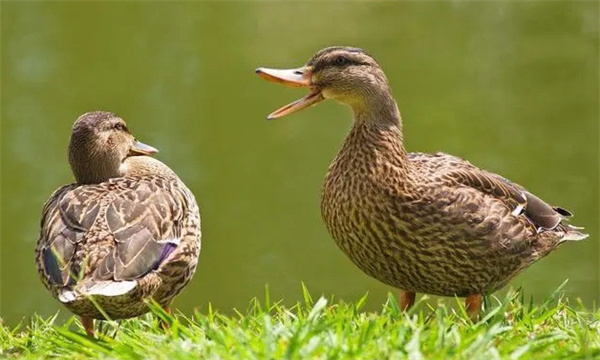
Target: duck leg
167	308
88	325
407	300
473	305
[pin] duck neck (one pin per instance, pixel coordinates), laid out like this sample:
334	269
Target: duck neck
378	107
378	119
93	168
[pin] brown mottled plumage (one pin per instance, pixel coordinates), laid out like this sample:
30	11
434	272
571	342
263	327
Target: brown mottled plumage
128	229
430	223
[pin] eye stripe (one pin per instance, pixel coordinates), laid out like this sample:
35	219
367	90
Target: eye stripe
333	63
120	127
347	62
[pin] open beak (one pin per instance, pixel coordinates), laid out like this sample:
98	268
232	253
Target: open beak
139	148
300	77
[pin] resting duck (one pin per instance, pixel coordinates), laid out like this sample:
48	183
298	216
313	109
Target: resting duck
428	223
128	229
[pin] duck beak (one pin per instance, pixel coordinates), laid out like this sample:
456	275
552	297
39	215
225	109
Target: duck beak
139	148
300	77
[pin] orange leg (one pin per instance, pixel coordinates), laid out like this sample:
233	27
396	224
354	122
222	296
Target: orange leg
167	309
407	300
473	305
88	325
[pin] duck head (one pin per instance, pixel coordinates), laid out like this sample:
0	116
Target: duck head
346	74
100	144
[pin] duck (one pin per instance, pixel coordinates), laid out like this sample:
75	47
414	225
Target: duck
127	230
419	222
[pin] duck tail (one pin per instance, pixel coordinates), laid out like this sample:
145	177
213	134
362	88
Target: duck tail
572	233
103	288
67	295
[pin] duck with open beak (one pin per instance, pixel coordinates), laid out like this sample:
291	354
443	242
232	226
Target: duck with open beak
428	223
300	77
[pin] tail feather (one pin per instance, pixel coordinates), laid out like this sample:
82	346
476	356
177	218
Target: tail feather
111	288
572	233
66	296
103	288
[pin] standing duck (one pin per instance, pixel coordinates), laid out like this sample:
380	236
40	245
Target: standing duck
428	223
127	230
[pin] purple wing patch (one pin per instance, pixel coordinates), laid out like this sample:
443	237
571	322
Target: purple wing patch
167	249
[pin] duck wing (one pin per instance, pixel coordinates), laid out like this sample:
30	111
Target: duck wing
59	238
539	213
146	220
130	226
451	170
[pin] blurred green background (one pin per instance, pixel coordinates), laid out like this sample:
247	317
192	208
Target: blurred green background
511	86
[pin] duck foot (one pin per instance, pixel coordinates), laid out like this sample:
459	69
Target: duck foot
473	305
88	325
407	300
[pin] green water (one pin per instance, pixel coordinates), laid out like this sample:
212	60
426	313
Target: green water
513	87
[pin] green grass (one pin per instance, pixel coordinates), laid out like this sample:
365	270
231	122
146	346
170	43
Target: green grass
320	329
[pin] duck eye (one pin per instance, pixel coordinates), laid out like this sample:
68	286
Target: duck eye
340	61
120	127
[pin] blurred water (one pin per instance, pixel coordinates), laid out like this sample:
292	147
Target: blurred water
513	87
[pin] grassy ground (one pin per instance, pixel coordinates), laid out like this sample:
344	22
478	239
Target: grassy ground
509	329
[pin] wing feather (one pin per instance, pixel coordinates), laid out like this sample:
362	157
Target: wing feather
138	220
146	224
458	171
59	239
